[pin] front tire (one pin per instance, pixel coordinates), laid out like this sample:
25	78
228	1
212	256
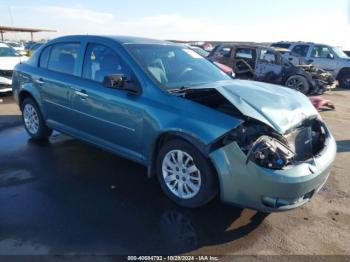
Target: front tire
299	83
185	175
33	120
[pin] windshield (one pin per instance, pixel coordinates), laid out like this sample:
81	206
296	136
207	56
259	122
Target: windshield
199	51
14	44
176	66
339	52
7	51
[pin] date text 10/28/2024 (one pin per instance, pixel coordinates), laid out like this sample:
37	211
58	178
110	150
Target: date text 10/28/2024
173	258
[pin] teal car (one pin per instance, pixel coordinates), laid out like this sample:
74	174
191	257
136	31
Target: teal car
162	105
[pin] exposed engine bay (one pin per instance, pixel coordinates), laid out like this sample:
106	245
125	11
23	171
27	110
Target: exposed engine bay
323	78
261	143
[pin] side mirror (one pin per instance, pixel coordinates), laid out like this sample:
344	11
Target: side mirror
330	56
114	81
119	81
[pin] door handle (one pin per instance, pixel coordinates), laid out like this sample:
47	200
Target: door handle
40	81
81	93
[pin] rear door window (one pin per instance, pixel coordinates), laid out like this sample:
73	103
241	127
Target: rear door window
301	50
63	57
266	56
44	57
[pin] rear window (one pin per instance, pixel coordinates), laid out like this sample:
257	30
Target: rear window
63	57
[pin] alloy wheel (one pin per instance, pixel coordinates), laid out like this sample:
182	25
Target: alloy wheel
180	174
296	83
31	118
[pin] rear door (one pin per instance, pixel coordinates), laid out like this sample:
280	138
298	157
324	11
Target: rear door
268	67
58	66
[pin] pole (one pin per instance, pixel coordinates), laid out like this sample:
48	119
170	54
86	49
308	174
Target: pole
31	36
2	36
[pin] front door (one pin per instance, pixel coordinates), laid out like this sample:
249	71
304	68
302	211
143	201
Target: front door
268	67
244	62
110	117
322	57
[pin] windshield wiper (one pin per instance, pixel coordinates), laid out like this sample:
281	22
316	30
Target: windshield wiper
181	89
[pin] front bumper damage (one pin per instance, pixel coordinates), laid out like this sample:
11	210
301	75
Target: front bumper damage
324	80
247	184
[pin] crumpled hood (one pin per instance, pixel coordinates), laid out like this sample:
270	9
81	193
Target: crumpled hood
279	107
9	63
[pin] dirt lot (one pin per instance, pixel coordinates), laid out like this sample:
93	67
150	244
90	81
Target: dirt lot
69	197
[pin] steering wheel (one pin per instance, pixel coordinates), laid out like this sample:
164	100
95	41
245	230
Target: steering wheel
243	71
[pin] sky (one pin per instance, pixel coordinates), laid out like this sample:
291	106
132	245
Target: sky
323	21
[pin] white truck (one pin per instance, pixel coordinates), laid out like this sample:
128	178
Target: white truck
329	58
9	58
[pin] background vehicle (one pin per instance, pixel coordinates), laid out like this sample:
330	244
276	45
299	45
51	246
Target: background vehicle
202	52
18	46
322	77
8	59
331	59
168	108
199	50
347	53
33	48
264	64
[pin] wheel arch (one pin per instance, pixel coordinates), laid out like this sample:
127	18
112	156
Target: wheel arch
169	135
308	79
23	95
342	71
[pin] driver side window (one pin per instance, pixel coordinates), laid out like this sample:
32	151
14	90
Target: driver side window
101	61
319	51
268	57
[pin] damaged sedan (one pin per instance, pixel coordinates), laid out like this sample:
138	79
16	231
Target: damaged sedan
162	105
264	64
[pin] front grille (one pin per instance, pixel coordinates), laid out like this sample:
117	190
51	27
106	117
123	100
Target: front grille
6	73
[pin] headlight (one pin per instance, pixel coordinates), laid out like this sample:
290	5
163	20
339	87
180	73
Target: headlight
270	153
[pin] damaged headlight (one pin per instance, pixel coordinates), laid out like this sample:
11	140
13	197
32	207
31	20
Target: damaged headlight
270	152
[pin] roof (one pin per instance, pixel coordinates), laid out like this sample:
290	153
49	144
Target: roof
119	39
245	45
4	29
137	40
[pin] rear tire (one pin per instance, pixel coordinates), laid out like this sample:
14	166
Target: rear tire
344	80
33	120
299	83
185	175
